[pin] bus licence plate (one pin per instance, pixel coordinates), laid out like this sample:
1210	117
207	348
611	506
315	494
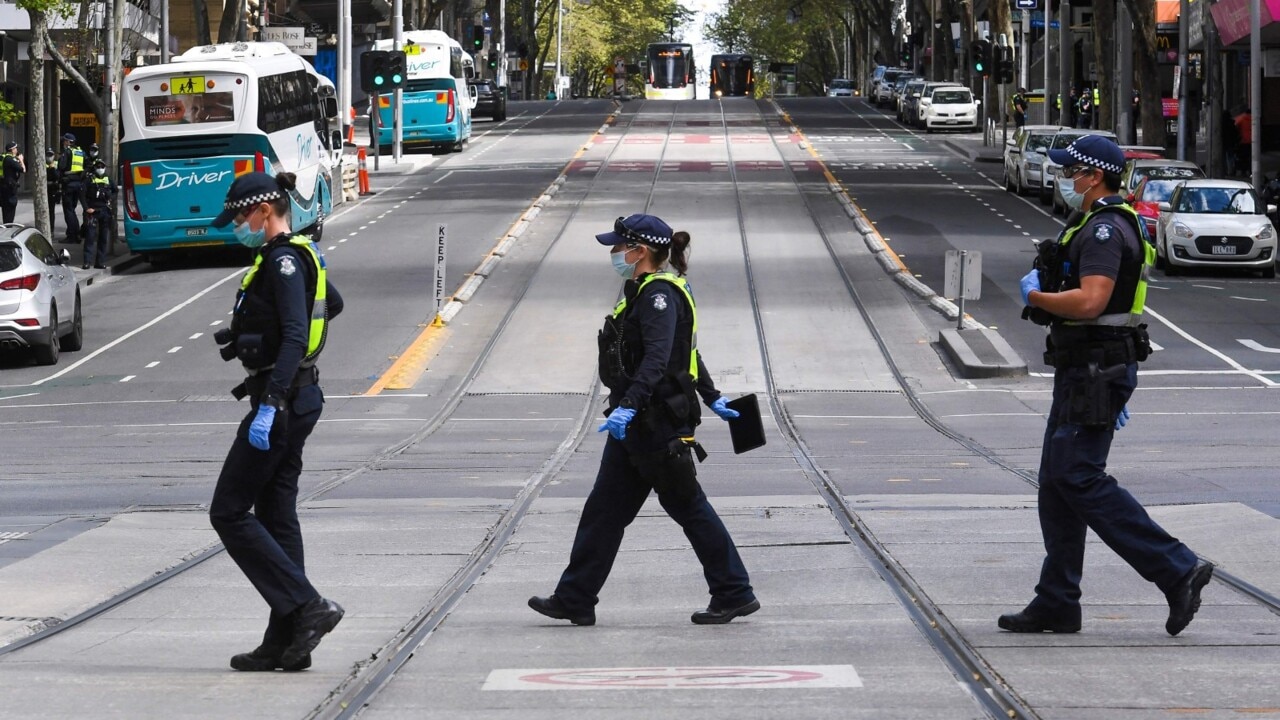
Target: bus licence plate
197	232
1222	250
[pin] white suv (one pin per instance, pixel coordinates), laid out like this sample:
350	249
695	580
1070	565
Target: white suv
39	299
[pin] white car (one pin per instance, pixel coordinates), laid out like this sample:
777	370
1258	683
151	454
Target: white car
1215	223
883	92
1050	169
39	298
1025	155
949	108
840	88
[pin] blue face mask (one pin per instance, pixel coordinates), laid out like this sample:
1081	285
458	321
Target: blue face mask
1073	199
620	264
250	238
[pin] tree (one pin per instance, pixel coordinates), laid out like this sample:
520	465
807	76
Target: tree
39	11
1143	13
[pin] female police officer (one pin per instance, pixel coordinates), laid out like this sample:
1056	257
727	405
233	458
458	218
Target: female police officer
649	361
277	330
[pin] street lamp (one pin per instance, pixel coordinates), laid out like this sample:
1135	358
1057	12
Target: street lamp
555	83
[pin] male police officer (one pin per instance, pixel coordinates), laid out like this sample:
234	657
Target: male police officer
97	195
1092	297
71	173
52	185
1019	105
14	167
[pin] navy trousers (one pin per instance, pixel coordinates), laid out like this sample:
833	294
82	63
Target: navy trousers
70	199
97	236
1076	494
254	509
615	500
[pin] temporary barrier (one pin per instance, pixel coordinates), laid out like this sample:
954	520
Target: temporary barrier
364	172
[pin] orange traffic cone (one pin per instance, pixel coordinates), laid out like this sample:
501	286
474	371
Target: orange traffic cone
364	172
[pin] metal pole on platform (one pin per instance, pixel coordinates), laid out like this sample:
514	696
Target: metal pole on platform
1183	70
344	63
164	31
397	30
964	255
1124	74
1255	87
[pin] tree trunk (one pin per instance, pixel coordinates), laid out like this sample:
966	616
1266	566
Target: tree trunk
231	15
38	139
201	11
1144	44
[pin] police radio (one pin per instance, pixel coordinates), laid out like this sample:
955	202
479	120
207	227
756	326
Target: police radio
1049	265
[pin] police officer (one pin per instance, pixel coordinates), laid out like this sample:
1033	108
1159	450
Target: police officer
52	185
71	166
278	329
649	360
14	166
1084	107
1019	105
92	153
1092	296
97	195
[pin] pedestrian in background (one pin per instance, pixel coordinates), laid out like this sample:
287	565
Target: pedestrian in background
71	166
278	329
1019	104
98	197
1084	109
1230	140
1244	145
649	360
53	186
11	182
1091	294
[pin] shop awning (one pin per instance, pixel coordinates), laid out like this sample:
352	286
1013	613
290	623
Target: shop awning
1232	19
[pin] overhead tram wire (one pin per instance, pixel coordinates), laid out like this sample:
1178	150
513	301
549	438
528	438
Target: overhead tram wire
984	685
372	463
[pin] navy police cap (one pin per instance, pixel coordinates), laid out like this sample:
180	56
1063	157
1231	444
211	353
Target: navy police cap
1093	150
638	228
247	191
69	137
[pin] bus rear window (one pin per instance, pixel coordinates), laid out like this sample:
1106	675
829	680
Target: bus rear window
209	107
429	84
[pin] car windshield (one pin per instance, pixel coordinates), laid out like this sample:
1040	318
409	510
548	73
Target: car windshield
1158	190
1217	201
1163	172
1039	142
841	85
951	97
10	257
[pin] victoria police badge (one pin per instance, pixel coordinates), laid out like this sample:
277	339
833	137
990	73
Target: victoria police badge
287	266
659	302
1102	232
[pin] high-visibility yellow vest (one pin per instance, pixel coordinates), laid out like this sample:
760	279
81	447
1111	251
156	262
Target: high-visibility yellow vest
683	286
318	328
1133	317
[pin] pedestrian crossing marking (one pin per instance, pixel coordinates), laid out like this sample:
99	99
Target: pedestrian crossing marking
7	536
754	677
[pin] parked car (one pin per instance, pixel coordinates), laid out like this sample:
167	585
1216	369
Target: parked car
895	93
907	98
1132	153
1064	138
39	297
915	118
1215	223
883	84
949	108
1138	168
1146	199
840	87
490	102
1025	155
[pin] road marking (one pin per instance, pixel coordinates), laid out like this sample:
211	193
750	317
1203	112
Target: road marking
195	337
152	364
7	536
1255	345
174	349
1206	287
127	378
1237	297
1256	375
676	678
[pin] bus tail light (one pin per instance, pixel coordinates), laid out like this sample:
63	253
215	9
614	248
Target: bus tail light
130	197
259	162
452	107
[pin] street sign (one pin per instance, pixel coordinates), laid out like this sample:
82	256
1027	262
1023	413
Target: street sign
1026	4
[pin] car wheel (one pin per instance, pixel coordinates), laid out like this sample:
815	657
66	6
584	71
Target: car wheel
500	117
47	353
1045	198
1269	273
1008	185
74	340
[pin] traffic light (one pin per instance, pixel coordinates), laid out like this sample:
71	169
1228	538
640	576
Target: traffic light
980	51
374	76
493	59
1004	68
397	73
477	37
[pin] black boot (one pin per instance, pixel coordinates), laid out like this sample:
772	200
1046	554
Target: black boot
552	607
1184	599
266	658
311	623
1034	621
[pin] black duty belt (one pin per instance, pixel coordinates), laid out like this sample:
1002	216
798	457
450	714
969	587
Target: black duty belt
256	385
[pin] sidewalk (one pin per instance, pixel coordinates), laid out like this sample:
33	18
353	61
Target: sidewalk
118	255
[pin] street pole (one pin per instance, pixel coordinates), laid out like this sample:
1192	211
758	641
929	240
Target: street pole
397	29
1255	87
1024	61
1064	56
1049	95
164	31
501	44
1124	75
344	63
1183	70
555	83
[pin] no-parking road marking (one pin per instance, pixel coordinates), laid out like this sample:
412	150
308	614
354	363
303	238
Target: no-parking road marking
676	678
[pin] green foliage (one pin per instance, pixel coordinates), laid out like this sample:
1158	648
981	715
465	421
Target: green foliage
9	114
597	33
772	31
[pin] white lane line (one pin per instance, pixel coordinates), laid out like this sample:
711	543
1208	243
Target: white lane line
1237	297
1255	345
174	349
215	323
1206	287
1212	351
442	177
127	378
145	326
195	337
15	397
152	364
1155	346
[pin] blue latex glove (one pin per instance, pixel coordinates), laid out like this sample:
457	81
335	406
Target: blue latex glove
1030	281
616	424
1123	418
260	429
721	408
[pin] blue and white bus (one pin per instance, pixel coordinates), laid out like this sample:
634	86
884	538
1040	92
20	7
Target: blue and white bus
437	100
216	112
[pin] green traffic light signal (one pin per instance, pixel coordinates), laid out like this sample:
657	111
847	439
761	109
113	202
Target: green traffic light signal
379	80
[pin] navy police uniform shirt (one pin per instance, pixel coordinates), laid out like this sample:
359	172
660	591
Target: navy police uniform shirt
282	282
656	313
1103	242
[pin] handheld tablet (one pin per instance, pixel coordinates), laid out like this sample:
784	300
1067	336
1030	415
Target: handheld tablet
746	430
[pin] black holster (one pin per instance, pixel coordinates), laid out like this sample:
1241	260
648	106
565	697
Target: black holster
672	472
255	386
1090	401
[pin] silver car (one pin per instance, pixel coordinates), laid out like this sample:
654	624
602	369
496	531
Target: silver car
1217	223
1025	155
1050	170
39	298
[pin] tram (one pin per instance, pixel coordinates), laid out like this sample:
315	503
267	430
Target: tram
732	75
670	74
